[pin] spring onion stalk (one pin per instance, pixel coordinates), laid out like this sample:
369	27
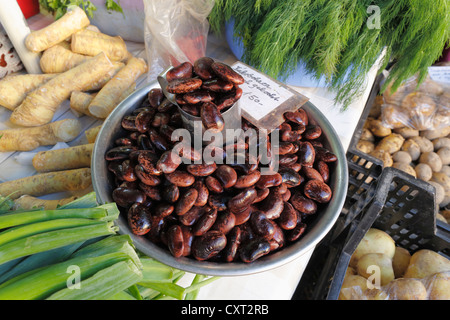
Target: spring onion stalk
122	295
41	283
13	219
38	260
53	239
89	200
110	244
192	295
20	232
103	284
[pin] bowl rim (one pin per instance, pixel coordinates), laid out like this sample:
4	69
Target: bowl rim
316	232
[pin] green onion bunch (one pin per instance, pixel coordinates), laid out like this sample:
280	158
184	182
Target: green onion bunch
336	39
75	253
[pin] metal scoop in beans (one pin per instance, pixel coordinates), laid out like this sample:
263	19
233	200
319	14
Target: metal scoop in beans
206	89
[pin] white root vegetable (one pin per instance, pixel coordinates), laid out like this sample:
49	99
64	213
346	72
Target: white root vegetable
110	95
72	21
39	106
14	88
63	159
27	139
47	183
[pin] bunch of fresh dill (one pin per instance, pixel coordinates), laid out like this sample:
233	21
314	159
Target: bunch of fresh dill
335	39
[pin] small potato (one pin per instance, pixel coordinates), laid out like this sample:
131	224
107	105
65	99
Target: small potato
426	262
423	171
446	170
375	110
402	156
393	117
441	143
365	146
407	132
425	145
383	156
405	167
406	289
435	134
442	179
375	294
432	159
439	286
440	192
375	126
391	143
376	265
400	261
352	281
374	241
412	148
444	154
366	135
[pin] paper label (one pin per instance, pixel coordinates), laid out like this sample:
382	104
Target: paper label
261	95
439	74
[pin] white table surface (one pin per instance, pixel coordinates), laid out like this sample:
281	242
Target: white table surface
275	284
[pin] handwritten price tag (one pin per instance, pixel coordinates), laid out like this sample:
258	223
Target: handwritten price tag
264	100
439	74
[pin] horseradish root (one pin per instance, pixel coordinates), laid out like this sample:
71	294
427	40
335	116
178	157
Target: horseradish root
39	106
27	139
58	31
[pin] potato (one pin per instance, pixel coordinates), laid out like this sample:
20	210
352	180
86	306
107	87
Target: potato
384	273
432	159
400	261
423	171
425	145
444	154
442	179
375	126
426	262
440	192
446	170
436	133
365	146
402	156
441	143
349	282
374	241
391	143
383	156
366	135
439	286
419	103
375	110
406	289
375	294
407	132
392	117
412	148
405	168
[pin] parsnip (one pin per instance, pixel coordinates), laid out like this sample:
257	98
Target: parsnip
63	159
27	139
39	106
72	21
14	88
59	58
91	43
109	96
97	85
27	202
47	183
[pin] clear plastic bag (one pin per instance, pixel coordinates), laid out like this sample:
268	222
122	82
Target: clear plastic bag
175	31
426	107
433	287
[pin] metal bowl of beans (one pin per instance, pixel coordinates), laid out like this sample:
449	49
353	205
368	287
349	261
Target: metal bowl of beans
310	230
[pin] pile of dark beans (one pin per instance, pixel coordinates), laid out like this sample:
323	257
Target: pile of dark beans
205	89
218	212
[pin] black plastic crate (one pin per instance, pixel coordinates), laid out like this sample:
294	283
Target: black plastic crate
400	206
